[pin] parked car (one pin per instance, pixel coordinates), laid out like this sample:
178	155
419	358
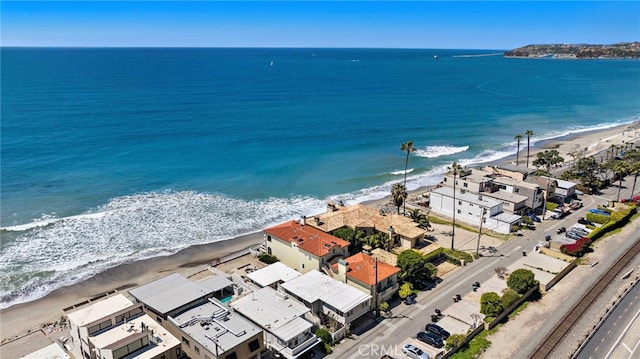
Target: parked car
438	330
580	231
414	352
410	299
534	217
573	235
584	221
431	339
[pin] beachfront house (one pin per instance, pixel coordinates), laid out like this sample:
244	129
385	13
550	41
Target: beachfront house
303	247
471	180
548	186
532	191
472	209
205	326
272	275
565	190
336	303
368	275
404	231
283	319
115	327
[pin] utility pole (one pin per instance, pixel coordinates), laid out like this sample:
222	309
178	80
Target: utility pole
484	209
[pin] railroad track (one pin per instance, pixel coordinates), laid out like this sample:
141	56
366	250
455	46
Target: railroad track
570	319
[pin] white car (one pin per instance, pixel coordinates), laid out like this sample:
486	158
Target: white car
414	352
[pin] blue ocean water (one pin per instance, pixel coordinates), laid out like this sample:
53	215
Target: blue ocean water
114	155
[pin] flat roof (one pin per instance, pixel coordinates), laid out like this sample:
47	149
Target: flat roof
52	351
514	182
506	196
124	334
477	199
507	217
274	311
99	310
212	323
562	183
169	293
215	282
273	273
313	286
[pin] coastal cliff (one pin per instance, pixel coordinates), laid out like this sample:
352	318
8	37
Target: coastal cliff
578	51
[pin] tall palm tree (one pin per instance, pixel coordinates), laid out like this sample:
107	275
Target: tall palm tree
408	147
518	137
634	169
620	168
398	195
529	133
455	168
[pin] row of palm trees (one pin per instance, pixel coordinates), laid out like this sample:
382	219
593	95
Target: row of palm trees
518	137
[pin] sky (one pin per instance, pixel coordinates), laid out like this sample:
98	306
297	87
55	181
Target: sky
357	24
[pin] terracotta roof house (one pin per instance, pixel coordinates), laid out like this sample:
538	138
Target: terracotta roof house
369	275
303	247
368	219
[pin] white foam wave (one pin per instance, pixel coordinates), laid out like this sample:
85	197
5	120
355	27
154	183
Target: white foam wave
401	172
130	228
439	151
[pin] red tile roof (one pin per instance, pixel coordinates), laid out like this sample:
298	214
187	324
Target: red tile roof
362	267
309	239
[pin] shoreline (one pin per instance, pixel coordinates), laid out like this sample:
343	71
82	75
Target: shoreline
23	317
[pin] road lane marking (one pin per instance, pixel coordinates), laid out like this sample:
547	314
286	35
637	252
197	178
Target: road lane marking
626	347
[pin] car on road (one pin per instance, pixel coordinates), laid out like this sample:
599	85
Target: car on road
561	230
438	330
431	339
414	352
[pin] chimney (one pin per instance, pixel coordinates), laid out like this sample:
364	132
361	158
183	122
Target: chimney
343	268
303	220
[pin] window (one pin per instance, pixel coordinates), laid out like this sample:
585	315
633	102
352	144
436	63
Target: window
185	341
268	238
195	347
178	352
445	179
254	345
158	319
516	190
460	203
465	184
459	212
231	356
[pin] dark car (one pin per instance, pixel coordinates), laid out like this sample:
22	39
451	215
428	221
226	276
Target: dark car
584	221
438	330
431	339
561	230
410	299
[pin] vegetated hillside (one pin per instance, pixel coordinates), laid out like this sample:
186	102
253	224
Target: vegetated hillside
579	51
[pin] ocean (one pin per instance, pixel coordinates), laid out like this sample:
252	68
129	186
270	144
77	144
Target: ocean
112	155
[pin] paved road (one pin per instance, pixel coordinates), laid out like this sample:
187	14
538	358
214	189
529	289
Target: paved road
619	335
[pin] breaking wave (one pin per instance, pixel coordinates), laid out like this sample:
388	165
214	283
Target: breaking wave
439	151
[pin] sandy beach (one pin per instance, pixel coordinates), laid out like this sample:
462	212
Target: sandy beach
21	318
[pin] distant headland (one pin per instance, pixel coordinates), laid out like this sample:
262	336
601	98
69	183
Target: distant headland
623	50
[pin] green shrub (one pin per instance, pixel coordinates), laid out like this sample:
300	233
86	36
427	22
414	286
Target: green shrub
435	255
509	297
521	280
455	340
267	258
326	348
490	304
551	206
324	335
597	218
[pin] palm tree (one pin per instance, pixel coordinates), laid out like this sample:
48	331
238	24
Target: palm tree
398	195
518	137
529	133
408	147
455	168
620	168
632	158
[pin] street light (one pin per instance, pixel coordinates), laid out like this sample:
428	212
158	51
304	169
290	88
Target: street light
545	198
